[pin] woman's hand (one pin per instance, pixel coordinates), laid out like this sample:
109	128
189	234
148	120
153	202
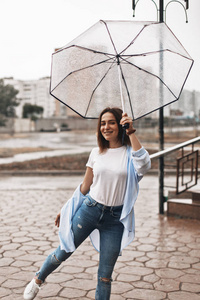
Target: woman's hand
127	120
57	220
130	131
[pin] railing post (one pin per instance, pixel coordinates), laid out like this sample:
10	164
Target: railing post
161	164
161	186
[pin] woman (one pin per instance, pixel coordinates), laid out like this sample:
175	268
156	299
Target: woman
102	206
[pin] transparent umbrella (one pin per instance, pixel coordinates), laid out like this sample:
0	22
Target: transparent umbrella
138	66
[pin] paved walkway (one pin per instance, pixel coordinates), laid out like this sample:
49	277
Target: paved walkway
162	263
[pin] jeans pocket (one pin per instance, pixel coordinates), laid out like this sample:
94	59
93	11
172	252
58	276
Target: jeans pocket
90	202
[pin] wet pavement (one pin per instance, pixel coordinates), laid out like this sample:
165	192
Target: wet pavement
53	140
60	143
163	262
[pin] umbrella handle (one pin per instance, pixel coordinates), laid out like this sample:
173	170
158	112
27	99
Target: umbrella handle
120	86
125	126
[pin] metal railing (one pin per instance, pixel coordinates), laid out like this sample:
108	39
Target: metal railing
187	159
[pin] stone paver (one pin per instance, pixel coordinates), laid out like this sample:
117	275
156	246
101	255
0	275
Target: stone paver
162	263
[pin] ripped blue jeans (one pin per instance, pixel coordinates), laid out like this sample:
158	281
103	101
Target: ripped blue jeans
93	215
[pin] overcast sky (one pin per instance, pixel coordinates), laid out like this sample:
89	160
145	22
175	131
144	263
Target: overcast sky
32	29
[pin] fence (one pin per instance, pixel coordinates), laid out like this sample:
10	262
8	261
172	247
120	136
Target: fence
186	164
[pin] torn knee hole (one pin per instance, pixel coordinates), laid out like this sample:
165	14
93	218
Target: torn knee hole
106	280
54	260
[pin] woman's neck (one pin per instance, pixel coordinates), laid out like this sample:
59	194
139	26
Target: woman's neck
115	144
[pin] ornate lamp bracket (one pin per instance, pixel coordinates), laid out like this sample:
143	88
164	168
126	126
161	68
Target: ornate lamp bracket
185	9
134	4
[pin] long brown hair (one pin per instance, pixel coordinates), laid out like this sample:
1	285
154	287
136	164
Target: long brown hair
117	113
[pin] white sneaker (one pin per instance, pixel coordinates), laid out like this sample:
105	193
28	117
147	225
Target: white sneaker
31	290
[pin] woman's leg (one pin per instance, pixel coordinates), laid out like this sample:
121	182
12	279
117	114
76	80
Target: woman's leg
110	244
84	222
52	262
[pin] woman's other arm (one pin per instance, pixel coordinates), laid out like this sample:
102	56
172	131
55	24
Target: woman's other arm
87	181
85	187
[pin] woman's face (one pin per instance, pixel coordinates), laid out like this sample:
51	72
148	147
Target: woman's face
109	127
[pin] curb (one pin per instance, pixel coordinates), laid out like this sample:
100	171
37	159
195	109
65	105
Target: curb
43	173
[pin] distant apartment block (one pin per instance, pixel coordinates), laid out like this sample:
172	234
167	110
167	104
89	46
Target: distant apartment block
36	92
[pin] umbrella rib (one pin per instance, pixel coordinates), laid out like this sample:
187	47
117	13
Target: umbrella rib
70	107
133	39
83	48
96	64
157	51
141	69
94	51
178	54
110	36
97	87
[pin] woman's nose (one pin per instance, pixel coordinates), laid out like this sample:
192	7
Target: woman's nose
106	125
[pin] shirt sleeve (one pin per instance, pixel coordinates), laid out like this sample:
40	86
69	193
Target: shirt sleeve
141	161
90	161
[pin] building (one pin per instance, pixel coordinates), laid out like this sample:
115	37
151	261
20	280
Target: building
188	104
35	92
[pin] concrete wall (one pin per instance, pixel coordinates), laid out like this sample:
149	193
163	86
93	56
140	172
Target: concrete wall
53	124
24	125
14	125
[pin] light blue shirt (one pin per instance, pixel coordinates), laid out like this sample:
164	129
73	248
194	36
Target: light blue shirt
138	164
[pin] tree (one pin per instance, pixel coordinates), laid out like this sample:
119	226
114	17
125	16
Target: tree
32	111
8	101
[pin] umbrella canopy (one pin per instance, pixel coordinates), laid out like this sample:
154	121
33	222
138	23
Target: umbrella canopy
138	66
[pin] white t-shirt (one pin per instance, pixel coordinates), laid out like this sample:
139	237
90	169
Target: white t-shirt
110	173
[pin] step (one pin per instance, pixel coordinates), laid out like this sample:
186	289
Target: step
186	208
196	197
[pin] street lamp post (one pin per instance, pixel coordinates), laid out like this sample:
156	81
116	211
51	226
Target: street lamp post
160	15
161	133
